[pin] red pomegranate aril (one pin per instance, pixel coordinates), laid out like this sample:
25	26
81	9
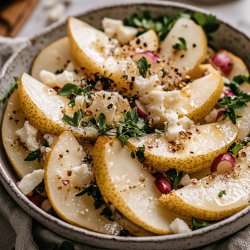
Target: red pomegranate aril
56	88
228	93
163	185
222	163
37	199
140	109
46	206
223	62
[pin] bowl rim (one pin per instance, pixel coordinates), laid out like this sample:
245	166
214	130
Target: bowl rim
41	216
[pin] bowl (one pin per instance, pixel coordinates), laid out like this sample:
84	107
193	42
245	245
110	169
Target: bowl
226	37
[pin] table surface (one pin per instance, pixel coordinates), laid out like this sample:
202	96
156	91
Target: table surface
232	11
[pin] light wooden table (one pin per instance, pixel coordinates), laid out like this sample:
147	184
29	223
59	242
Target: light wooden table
232	11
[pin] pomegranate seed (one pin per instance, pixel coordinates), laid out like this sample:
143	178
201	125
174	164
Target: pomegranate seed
223	163
37	199
163	185
223	62
140	109
56	88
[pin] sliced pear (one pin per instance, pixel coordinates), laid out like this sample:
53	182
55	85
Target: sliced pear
92	50
13	120
214	197
243	122
52	58
44	108
129	187
66	154
185	61
189	154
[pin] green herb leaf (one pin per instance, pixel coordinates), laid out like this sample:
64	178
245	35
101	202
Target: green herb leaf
132	126
132	155
12	88
34	155
241	79
221	193
67	89
75	120
236	147
182	45
199	223
140	154
159	132
209	23
143	66
101	124
174	176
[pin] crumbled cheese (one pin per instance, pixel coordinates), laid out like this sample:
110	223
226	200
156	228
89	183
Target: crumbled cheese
49	3
115	29
56	12
28	135
53	80
179	226
80	99
185	180
174	125
211	117
49	138
113	228
81	175
30	181
112	105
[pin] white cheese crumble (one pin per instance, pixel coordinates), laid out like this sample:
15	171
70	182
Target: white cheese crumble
56	12
174	125
30	181
111	104
59	80
211	117
81	175
28	135
80	99
179	226
185	180
47	4
115	29
49	138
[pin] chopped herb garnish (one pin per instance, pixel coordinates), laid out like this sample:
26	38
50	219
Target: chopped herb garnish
40	189
94	191
209	23
221	193
236	147
159	132
133	155
101	124
75	120
132	126
199	223
13	86
34	155
67	89
161	25
174	176
241	79
143	66
182	45
140	153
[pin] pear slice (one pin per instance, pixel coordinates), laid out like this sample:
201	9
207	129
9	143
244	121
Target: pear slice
93	51
243	122
186	62
190	154
129	187
44	108
66	154
214	197
52	58
13	120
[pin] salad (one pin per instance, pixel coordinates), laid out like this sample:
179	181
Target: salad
138	129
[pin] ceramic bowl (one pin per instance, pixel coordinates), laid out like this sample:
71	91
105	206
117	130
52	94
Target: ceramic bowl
227	37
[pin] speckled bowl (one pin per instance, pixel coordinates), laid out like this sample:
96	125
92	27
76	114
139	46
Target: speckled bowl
227	37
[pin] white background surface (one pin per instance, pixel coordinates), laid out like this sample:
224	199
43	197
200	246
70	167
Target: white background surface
236	12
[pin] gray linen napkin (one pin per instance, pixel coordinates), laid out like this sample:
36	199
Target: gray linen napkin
19	231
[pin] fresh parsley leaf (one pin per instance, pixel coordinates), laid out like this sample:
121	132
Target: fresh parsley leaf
161	25
159	132
34	155
140	154
209	23
75	120
40	189
12	88
101	124
221	193
182	45
174	176
143	66
132	155
67	89
241	79
132	126
236	147
199	223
